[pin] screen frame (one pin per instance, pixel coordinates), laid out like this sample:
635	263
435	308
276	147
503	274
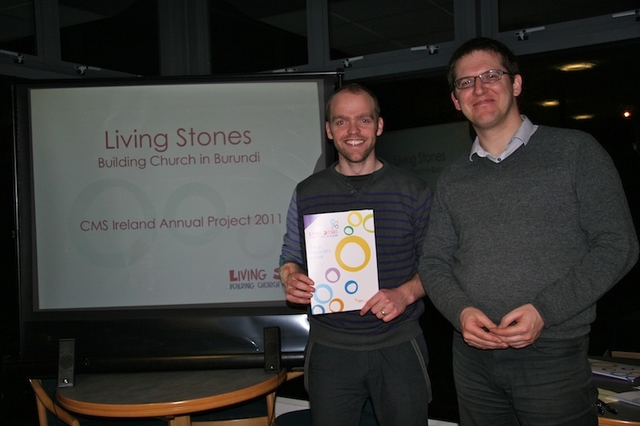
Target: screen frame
151	333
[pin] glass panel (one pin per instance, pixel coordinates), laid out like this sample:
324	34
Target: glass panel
520	14
599	84
361	27
593	99
414	101
120	35
254	35
17	26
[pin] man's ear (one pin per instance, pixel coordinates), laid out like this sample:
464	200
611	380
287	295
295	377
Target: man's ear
327	129
517	85
456	103
380	126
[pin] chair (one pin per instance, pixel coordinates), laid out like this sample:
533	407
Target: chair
237	416
44	403
606	421
47	407
623	354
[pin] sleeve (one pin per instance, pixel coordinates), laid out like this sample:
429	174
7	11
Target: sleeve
437	259
607	223
422	220
292	245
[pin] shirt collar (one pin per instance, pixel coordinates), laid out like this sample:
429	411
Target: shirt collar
521	137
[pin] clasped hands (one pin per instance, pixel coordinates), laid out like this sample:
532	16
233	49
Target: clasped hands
517	329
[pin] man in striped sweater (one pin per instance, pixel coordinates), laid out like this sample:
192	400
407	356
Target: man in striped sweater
378	352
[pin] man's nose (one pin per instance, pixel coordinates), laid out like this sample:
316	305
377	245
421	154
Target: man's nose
478	86
353	127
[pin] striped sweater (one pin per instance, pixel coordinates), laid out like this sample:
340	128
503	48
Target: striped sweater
401	202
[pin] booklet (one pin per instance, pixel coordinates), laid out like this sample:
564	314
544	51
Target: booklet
630	373
341	260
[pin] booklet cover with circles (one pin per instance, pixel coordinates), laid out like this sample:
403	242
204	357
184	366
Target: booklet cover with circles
341	260
616	370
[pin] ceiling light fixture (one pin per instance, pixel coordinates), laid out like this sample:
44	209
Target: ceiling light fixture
551	103
583	117
577	66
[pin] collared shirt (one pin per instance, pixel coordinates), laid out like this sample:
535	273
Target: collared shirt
522	136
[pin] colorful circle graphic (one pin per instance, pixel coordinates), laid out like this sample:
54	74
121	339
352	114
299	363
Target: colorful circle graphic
340	306
368	219
323	293
329	271
351	284
353	239
358	217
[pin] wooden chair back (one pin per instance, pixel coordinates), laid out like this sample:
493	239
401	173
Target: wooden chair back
605	421
44	403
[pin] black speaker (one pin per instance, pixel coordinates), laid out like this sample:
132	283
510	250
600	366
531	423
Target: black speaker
271	348
66	362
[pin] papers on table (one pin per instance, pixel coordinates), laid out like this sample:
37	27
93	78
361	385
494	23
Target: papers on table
616	370
632	397
341	260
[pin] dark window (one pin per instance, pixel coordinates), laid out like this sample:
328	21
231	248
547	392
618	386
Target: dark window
362	27
520	14
17	26
255	35
120	35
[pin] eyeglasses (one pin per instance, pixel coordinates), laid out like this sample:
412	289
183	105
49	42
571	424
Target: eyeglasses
490	76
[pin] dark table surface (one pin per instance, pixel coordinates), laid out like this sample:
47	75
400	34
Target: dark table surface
165	393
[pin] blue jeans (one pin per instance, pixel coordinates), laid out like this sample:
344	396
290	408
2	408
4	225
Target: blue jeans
339	381
548	383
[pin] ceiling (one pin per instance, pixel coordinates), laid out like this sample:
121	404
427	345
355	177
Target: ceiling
357	28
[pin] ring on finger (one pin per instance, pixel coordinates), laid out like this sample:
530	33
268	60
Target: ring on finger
383	312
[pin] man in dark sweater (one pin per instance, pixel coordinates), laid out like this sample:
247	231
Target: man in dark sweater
526	234
378	352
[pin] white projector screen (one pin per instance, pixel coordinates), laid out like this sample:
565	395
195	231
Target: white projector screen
167	194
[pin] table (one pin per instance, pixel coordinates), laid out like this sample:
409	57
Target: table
171	394
625	411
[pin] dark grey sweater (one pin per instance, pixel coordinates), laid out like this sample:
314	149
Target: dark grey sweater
549	225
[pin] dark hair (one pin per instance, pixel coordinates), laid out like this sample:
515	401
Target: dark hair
508	59
354	88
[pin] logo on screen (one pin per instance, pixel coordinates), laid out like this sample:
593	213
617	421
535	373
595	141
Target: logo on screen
236	275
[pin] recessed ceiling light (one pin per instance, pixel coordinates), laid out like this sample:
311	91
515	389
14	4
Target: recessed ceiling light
577	66
583	117
550	103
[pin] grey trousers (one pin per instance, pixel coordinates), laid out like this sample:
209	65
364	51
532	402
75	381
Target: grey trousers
339	381
548	383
